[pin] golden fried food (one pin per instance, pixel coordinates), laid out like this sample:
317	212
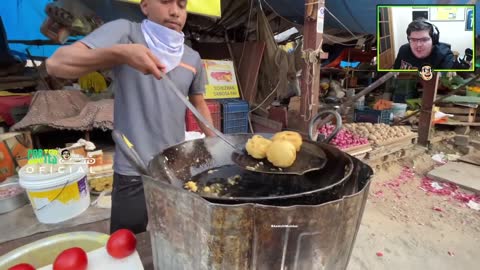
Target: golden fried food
294	137
257	146
191	186
101	183
281	153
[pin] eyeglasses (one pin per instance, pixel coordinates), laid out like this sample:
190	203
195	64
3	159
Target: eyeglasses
419	40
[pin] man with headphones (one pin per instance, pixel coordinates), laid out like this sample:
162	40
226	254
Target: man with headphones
423	48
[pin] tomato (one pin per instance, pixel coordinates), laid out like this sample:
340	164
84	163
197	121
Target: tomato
22	266
121	244
71	259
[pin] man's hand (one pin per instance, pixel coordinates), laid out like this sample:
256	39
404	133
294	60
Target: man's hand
142	59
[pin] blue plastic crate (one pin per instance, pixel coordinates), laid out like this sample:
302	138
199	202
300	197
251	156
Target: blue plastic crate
373	116
235	116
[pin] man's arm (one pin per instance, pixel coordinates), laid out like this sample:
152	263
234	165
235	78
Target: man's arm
104	48
199	102
195	94
76	60
73	61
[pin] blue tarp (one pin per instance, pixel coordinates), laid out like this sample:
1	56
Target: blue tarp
23	18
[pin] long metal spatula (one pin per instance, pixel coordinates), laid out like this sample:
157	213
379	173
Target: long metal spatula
197	113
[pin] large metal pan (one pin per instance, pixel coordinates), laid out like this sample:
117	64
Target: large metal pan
184	162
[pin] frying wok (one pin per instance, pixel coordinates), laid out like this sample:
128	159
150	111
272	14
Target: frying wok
184	162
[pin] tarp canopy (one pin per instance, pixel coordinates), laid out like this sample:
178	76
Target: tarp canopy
23	18
359	16
202	7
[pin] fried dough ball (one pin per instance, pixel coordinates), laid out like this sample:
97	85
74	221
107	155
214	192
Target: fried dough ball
294	137
100	184
191	186
281	153
257	146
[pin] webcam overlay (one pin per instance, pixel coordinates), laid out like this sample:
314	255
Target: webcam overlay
441	37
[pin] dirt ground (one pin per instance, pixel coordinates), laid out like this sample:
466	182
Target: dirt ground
403	227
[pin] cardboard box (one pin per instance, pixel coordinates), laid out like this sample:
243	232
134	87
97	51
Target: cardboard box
75	150
103	162
14	148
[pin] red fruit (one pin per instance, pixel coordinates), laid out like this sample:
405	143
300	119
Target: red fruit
71	259
121	244
22	266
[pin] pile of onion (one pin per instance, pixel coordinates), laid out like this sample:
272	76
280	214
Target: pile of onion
345	139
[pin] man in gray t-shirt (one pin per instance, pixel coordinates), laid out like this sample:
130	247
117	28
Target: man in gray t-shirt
146	110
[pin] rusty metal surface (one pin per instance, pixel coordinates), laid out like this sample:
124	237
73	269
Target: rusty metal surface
190	232
249	57
279	114
264	125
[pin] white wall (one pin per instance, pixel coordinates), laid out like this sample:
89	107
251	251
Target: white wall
452	32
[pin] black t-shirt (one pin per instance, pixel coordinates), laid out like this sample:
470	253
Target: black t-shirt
440	58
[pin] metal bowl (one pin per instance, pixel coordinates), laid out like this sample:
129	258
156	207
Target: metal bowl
11	203
43	251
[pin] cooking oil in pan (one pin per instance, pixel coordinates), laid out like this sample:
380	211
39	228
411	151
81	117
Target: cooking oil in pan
234	181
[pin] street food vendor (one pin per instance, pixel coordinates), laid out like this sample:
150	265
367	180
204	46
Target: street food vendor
146	110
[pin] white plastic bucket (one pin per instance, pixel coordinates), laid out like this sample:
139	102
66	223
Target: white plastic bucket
399	110
56	196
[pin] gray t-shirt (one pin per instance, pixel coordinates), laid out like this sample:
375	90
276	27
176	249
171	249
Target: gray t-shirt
146	110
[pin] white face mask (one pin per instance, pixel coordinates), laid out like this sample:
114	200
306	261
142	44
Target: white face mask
166	44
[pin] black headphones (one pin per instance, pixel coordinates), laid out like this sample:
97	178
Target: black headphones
435	34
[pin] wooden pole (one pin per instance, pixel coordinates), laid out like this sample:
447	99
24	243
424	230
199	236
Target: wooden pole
426	113
312	40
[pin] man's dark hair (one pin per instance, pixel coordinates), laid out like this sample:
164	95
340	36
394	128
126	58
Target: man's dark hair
420	24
